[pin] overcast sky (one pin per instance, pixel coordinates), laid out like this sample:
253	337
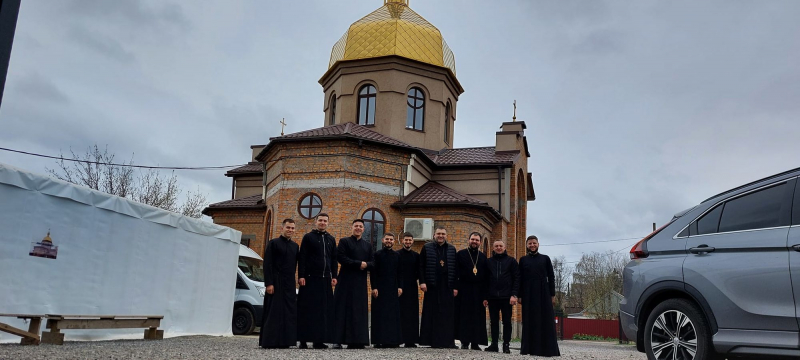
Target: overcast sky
635	109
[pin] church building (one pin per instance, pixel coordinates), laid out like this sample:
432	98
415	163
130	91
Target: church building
384	150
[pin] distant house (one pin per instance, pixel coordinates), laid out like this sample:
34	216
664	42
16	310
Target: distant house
607	308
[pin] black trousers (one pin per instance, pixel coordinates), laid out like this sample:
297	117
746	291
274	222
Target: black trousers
496	306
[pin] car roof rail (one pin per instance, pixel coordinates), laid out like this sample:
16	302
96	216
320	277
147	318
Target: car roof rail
753	183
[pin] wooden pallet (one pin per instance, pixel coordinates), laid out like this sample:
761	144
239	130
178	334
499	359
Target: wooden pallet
57	322
30	337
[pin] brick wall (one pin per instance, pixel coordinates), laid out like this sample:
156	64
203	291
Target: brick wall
324	163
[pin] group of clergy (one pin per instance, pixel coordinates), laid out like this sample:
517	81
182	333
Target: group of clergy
458	286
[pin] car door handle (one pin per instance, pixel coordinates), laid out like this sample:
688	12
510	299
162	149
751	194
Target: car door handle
796	247
702	249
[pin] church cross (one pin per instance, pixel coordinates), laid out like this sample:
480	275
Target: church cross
283	124
515	111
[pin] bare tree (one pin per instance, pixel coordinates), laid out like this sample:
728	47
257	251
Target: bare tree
96	170
562	273
595	277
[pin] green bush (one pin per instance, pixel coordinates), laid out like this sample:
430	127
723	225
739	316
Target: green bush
592	337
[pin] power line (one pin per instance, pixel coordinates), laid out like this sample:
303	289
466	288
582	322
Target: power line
124	165
593	242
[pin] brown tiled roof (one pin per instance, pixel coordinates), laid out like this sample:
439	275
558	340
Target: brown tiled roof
349	129
472	156
250	168
249	202
433	192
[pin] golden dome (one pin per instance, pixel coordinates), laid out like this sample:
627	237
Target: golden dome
47	238
394	29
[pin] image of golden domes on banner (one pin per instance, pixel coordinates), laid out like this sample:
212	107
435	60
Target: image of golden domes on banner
44	248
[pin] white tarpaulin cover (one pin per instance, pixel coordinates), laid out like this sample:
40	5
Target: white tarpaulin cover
113	256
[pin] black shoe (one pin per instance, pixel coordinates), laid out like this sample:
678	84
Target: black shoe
320	346
506	349
377	346
337	346
492	348
358	347
410	345
475	347
464	346
303	345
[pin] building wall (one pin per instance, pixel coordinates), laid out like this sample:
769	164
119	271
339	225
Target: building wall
393	77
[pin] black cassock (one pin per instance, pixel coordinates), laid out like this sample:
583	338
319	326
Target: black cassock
409	301
385	277
315	310
472	286
279	328
352	297
438	307
538	318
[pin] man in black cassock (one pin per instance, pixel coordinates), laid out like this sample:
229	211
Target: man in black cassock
356	257
409	300
503	293
317	272
472	286
387	288
538	296
279	328
438	266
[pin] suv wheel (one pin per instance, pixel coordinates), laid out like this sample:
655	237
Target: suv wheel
243	321
676	329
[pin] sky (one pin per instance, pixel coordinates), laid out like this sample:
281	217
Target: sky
635	110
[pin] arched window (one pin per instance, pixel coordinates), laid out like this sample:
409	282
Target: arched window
332	118
374	227
415	116
447	123
309	206
366	105
486	247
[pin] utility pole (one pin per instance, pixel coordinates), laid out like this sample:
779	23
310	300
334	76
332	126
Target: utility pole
9	10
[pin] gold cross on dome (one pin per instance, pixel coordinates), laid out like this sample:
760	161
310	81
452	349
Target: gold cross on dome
283	124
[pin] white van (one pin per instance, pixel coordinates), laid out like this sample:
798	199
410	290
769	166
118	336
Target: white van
248	303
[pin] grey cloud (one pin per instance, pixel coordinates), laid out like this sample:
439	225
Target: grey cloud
34	87
102	44
133	12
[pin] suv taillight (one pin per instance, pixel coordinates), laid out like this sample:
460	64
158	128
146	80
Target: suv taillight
639	251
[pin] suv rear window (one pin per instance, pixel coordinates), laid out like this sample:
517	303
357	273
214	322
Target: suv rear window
761	209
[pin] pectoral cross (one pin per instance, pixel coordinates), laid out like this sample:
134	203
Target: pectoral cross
283	124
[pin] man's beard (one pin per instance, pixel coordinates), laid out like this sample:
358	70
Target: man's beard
407	247
473	246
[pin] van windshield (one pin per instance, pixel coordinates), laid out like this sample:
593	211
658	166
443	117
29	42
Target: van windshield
252	268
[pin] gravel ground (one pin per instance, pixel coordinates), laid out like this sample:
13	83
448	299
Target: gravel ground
246	347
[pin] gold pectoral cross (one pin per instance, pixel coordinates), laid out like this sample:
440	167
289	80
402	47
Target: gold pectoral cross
475	270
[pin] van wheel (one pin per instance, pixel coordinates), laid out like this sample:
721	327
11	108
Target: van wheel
676	329
243	321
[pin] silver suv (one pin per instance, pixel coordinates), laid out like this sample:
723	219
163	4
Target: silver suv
721	278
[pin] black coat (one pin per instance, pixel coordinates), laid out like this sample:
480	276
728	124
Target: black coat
315	305
317	255
279	328
438	308
409	301
385	277
538	318
351	296
503	277
471	285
